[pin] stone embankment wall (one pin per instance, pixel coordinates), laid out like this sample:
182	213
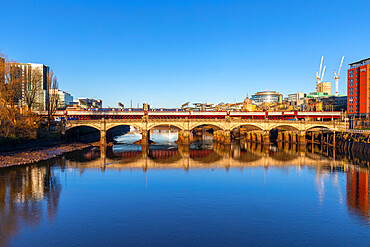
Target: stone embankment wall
353	142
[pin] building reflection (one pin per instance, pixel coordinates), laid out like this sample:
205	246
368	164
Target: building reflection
358	192
26	194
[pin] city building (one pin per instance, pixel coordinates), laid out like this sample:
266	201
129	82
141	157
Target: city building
28	73
323	87
318	95
334	103
267	97
202	107
295	99
88	103
64	99
230	106
358	89
248	104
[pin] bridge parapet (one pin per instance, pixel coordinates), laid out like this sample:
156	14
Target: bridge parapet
224	124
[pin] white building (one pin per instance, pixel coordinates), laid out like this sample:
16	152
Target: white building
64	98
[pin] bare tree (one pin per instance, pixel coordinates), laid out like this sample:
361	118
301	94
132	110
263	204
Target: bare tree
32	85
10	88
14	122
51	96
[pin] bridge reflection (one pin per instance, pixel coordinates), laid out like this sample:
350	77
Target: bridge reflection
29	192
238	154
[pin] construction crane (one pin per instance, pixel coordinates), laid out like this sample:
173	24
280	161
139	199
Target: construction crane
186	104
320	76
336	77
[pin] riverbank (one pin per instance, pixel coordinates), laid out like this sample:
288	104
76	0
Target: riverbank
34	155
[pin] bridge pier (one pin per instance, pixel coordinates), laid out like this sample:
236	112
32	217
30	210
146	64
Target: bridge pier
293	136
280	137
266	138
103	137
302	138
103	151
184	137
222	136
227	137
286	136
248	136
145	150
145	137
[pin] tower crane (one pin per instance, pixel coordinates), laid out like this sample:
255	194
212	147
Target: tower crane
336	77
320	76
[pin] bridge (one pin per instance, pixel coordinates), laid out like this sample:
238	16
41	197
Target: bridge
223	123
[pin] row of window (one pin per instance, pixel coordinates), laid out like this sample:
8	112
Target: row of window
350	73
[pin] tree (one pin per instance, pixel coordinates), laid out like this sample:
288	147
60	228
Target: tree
51	96
10	89
121	105
14	123
32	85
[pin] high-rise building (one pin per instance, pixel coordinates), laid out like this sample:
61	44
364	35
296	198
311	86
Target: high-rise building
323	87
358	89
26	72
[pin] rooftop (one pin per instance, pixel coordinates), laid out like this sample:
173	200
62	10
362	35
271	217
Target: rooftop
359	63
363	60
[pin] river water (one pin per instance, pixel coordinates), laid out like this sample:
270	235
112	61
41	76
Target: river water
208	195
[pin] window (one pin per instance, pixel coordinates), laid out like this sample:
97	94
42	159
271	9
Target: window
350	100
350	91
350	108
350	82
351	73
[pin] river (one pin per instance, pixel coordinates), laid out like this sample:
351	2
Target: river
168	195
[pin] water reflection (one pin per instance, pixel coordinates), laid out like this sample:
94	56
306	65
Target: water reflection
26	194
31	194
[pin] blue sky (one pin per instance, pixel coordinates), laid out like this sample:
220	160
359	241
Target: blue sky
179	51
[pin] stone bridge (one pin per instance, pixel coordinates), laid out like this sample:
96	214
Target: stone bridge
222	127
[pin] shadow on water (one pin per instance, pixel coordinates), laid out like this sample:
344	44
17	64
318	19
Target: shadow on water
30	194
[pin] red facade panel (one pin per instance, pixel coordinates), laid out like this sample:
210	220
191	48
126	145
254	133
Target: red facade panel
358	90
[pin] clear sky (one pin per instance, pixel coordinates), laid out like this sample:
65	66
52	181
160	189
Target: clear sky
179	51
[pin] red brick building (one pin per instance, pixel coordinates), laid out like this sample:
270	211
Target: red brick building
358	89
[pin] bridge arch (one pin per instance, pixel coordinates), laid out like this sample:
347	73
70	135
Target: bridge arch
176	125
83	133
284	127
215	126
73	126
249	125
313	126
114	125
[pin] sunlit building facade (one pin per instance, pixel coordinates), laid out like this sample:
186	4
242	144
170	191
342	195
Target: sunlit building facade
267	97
358	89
